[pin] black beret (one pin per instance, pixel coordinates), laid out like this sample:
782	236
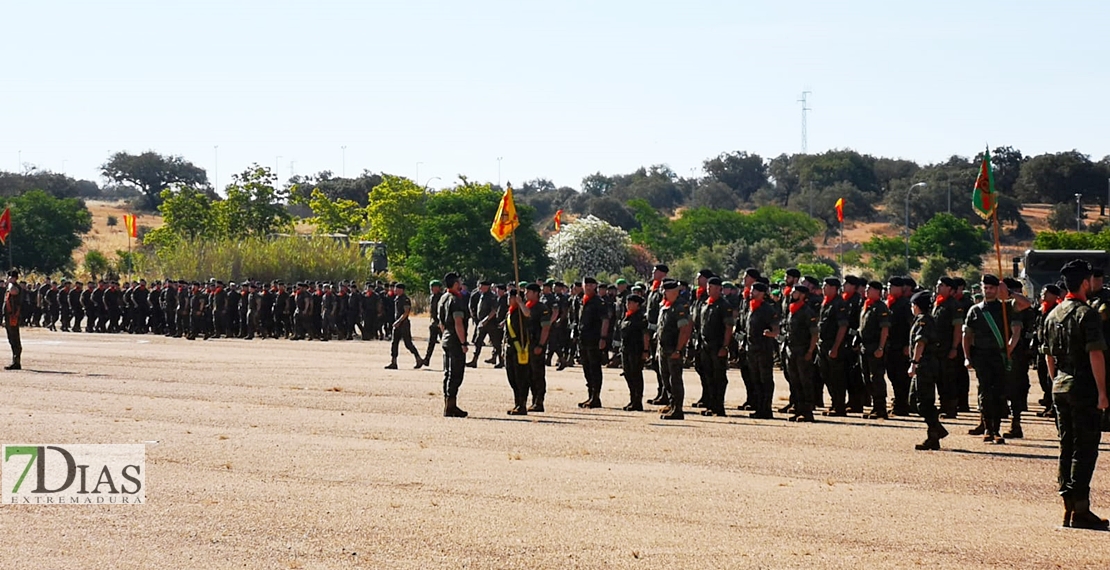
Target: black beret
793	272
451	278
853	280
1077	268
610	287
908	281
811	280
922	299
1012	284
875	285
1097	272
989	279
895	281
400	286
759	286
752	272
683	283
668	285
714	281
559	284
663	268
502	287
590	281
801	289
948	281
13	273
832	281
533	287
1052	289
634	298
959	281
707	273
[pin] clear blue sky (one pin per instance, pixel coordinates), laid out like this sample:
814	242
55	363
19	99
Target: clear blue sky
559	89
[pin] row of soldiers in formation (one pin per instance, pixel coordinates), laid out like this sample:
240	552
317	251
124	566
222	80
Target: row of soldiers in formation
305	310
844	337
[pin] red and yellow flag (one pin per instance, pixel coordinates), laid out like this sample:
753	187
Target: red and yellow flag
840	210
558	220
506	220
5	225
983	198
132	225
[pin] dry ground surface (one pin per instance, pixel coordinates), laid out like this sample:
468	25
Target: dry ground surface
279	454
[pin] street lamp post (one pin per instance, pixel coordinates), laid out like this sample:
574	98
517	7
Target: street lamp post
499	171
216	168
908	192
344	147
1078	212
429	182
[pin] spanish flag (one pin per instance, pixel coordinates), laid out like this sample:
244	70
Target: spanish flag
840	210
506	221
558	220
132	225
5	225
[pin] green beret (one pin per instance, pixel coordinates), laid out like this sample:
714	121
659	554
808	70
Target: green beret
622	282
435	283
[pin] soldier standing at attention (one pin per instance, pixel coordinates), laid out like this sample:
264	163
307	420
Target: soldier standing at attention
715	322
1050	297
989	354
1074	347
874	330
673	331
1017	383
13	305
435	288
856	379
452	314
518	352
654	302
371	310
897	355
963	379
593	327
402	328
832	361
949	320
801	347
635	340
539	330
762	330
927	352
483	306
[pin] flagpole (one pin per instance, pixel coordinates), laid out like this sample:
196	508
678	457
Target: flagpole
516	270
998	255
841	259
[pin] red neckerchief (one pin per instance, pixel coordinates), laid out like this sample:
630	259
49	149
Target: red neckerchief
711	300
786	291
868	302
796	306
629	313
457	294
391	294
756	303
1075	297
701	290
586	299
530	304
827	300
655	285
747	292
890	299
941	299
218	289
958	295
512	309
370	293
846	296
1046	307
667	303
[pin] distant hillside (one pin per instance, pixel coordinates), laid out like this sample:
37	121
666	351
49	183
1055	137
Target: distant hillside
107	238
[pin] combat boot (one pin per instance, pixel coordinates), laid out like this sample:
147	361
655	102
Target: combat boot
392	365
15	365
1083	518
979	429
451	408
672	413
877	413
931	443
1015	428
537	405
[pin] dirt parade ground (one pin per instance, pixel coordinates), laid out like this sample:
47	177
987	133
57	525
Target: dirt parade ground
279	454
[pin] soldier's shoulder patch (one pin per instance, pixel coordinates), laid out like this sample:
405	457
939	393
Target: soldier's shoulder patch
1104	311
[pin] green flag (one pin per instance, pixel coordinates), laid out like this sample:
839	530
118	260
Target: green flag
983	199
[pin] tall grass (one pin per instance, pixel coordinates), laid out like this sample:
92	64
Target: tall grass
286	259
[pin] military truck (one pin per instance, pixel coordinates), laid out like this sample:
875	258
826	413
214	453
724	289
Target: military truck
1042	267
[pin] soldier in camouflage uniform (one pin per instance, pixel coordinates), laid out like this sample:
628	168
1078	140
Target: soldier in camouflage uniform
673	330
1074	350
989	347
927	351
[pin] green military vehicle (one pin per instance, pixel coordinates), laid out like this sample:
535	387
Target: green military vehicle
1042	267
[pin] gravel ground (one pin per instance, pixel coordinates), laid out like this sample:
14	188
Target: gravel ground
278	454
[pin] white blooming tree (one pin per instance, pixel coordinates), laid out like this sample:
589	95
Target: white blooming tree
588	246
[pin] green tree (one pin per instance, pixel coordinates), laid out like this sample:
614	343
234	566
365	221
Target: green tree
253	207
741	172
96	264
186	214
1062	217
952	238
934	268
885	252
452	234
396	209
1055	178
152	173
46	230
341	215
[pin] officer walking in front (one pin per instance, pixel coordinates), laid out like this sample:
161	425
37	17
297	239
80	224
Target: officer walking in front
13	310
435	288
1074	347
402	328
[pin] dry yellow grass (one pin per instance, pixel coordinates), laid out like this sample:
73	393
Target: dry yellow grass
107	239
